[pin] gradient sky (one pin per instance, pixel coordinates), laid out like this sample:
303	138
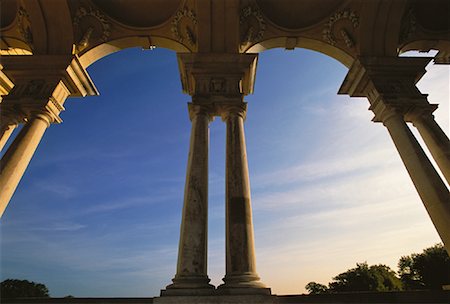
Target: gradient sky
98	211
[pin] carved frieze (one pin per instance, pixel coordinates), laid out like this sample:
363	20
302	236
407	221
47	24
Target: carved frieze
90	23
24	26
252	25
344	23
184	26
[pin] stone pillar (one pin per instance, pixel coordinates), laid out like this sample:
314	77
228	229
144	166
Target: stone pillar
191	277
431	189
16	159
5	133
42	83
389	84
241	276
436	141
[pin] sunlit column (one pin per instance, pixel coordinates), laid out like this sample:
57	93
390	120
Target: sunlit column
436	141
16	159
191	276
429	185
240	251
5	133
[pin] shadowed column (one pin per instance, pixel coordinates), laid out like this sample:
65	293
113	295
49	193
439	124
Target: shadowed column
436	141
191	277
241	276
431	189
5	133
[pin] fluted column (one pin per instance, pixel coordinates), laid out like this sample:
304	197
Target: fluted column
436	141
431	189
16	159
191	277
240	252
5	134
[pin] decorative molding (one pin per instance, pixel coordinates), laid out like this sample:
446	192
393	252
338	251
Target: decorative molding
181	29
24	26
83	20
252	25
330	28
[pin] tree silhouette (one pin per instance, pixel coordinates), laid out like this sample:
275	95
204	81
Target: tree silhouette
427	270
22	289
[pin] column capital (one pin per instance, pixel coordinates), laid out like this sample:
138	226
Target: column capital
232	110
42	83
217	77
389	82
200	109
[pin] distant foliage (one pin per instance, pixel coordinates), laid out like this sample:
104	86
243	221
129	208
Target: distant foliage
366	278
427	270
22	289
316	288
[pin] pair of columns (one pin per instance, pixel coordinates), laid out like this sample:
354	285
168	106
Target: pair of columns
241	277
16	159
389	84
34	89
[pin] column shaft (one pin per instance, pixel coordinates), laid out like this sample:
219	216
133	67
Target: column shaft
432	190
436	141
18	156
240	251
5	133
192	252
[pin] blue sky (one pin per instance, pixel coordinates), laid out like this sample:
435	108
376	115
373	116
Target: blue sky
98	210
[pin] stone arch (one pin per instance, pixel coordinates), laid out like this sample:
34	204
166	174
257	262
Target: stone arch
104	49
306	43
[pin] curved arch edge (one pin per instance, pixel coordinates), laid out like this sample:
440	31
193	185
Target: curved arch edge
305	43
102	50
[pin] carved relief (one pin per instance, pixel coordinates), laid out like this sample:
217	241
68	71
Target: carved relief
252	25
24	26
184	26
33	87
90	24
217	85
337	18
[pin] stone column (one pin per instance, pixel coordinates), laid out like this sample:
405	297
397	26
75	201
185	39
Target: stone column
431	189
389	84
191	277
436	141
5	133
241	276
16	159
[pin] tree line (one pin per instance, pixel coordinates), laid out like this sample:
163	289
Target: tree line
429	270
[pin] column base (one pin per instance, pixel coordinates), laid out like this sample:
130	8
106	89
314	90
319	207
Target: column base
217	299
244	284
189	285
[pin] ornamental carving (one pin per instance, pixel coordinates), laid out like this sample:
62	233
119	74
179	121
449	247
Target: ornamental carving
91	24
33	87
330	31
24	26
252	25
184	26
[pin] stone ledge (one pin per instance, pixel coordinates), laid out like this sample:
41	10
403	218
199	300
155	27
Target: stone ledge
217	299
